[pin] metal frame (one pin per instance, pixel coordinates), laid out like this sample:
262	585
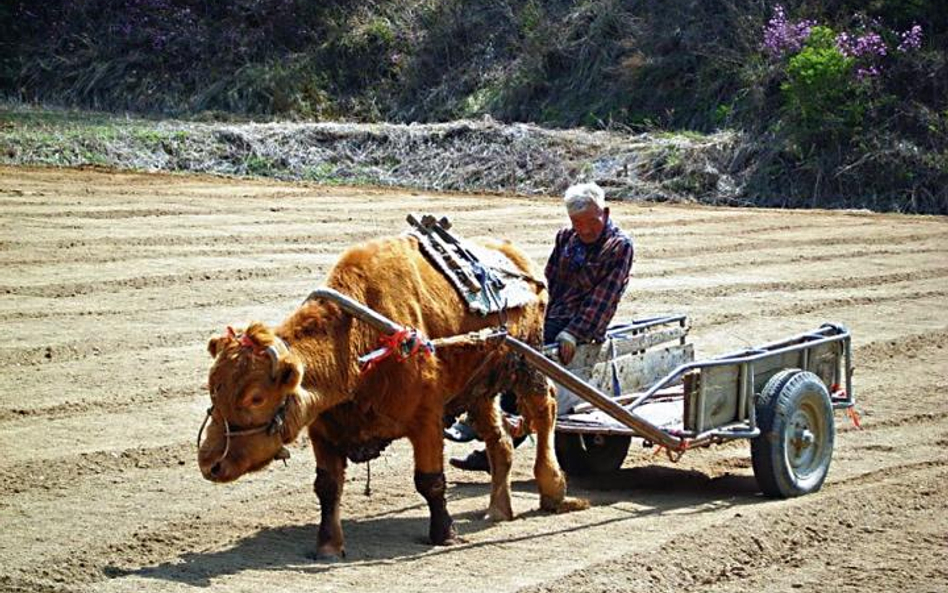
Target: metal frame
636	425
745	359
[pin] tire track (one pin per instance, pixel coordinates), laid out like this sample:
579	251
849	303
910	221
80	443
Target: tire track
324	218
232	301
816	529
862	282
245	244
106	214
84	288
78	350
112	405
719	319
166	531
72	289
249	297
683	222
741	262
865	356
240	239
61	473
150	549
645	233
87	258
161	546
666	253
90	255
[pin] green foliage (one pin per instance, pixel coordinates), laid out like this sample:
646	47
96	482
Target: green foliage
259	165
821	97
366	54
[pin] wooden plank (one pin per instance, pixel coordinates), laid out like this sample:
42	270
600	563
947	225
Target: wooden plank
673	391
589	355
822	360
665	414
714	403
636	372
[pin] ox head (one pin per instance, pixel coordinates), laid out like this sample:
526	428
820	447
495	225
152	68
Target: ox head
254	384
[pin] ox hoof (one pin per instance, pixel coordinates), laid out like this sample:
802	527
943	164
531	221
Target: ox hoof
497	515
452	541
567	504
330	556
447	538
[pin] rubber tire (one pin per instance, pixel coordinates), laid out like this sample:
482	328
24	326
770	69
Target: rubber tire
579	455
790	394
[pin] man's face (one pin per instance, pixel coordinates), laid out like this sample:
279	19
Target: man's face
589	223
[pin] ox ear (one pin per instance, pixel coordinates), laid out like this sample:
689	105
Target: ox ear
215	345
288	373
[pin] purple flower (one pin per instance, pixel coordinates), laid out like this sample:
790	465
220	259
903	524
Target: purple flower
782	36
911	40
865	46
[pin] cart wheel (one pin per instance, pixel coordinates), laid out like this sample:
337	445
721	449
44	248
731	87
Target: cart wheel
584	454
792	455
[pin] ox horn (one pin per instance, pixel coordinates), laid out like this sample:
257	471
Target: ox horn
274	351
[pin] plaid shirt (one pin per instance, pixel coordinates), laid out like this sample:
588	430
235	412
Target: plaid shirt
586	282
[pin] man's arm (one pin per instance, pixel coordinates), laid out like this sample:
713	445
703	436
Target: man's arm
600	305
553	262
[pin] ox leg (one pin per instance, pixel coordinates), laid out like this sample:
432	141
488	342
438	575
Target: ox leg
330	476
538	404
500	455
428	445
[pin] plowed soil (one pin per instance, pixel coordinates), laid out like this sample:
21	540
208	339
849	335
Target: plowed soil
112	283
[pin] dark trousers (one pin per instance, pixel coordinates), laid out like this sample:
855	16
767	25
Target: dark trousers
508	401
552	328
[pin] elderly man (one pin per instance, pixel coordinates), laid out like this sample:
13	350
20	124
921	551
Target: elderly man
586	275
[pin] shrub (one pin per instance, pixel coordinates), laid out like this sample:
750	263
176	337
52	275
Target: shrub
820	97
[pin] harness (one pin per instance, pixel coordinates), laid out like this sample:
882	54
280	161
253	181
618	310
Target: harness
275	424
271	428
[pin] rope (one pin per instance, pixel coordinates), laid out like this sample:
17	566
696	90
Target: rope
673	456
489	288
402	344
368	478
854	417
616	385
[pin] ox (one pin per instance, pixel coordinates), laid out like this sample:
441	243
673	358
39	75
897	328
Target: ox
267	385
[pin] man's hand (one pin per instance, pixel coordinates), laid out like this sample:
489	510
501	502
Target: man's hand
567	346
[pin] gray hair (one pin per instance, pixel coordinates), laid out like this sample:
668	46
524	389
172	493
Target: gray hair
581	196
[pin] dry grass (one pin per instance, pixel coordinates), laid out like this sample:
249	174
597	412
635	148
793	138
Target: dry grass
466	155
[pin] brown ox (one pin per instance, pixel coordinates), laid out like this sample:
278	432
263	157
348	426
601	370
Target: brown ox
264	391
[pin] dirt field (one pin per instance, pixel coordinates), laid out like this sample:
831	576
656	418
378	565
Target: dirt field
112	284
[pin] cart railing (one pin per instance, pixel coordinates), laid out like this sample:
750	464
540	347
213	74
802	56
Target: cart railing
827	333
636	330
745	359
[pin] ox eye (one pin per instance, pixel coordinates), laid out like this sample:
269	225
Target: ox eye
256	400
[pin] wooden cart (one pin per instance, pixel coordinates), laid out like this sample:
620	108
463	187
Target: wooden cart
643	382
